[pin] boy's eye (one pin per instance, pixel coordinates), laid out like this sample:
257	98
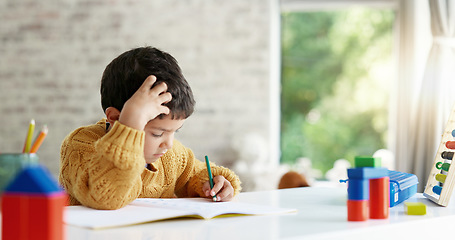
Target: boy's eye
157	135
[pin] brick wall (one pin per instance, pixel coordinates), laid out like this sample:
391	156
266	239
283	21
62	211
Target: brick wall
52	55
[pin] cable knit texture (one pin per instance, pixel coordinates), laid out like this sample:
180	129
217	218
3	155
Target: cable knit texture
106	170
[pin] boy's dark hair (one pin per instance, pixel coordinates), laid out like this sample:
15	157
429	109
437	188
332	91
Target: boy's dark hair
126	73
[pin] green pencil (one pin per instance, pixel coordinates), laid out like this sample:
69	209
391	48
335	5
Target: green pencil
210	176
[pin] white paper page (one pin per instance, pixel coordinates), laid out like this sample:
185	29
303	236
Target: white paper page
91	218
144	210
207	209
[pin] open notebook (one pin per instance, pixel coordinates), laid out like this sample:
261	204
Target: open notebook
144	210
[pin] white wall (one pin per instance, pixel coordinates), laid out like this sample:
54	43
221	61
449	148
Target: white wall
52	55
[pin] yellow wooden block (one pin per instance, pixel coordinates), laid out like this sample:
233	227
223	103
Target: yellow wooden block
415	208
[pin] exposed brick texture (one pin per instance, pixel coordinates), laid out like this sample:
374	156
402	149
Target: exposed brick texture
52	55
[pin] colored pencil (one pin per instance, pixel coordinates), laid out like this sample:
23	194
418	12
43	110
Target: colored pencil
210	176
28	139
39	139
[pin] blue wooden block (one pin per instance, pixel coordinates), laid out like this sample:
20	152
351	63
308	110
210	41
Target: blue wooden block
367	173
34	179
358	189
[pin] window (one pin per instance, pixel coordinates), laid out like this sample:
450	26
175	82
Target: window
337	68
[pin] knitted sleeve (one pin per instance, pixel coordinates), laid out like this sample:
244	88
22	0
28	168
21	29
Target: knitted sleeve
195	175
102	171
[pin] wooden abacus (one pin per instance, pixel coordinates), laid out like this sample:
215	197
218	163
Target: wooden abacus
442	176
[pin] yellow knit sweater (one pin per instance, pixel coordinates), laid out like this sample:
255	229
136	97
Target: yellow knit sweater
107	170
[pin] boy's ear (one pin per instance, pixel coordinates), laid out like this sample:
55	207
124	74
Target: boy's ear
112	115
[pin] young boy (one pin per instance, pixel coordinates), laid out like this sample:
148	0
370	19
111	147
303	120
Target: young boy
132	152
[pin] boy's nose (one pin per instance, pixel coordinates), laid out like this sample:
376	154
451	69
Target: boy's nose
167	143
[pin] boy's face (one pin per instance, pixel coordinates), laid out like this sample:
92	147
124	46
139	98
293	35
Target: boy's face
159	136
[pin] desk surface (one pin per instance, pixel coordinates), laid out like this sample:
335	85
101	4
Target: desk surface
321	215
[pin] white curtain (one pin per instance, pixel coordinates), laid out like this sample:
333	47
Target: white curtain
437	92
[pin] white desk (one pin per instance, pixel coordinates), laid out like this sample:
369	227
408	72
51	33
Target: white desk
321	215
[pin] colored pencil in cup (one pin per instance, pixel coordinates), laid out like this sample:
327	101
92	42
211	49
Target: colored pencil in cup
28	139
39	139
210	176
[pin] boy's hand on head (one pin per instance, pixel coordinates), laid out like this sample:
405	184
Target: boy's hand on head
145	104
222	188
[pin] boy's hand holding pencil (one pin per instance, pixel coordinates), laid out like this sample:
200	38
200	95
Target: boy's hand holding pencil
218	187
222	189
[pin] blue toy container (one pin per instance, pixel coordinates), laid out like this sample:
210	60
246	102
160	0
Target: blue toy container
402	186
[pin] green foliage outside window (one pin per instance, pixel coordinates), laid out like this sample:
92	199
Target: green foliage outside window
336	77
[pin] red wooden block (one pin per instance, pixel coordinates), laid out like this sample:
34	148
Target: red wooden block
32	207
33	217
379	198
357	210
